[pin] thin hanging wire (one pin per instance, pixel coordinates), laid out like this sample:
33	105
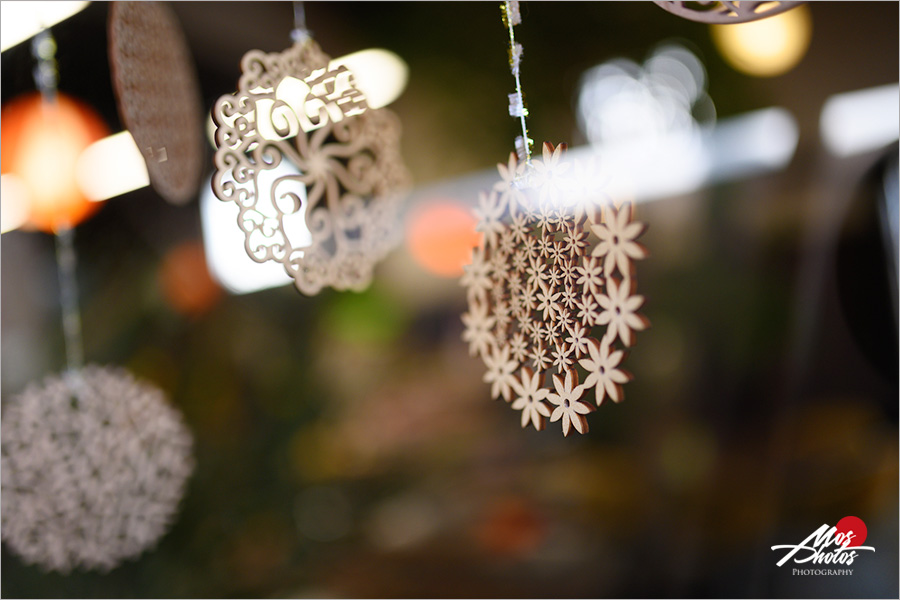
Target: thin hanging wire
511	17
43	50
300	33
68	290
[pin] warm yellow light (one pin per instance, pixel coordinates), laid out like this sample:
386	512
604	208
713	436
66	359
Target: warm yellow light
111	167
14	204
767	47
21	20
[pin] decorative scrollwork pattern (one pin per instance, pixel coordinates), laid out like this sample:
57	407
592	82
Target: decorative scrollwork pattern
330	221
714	11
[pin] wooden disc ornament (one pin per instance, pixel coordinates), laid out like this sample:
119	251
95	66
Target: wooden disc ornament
551	295
316	174
725	12
95	464
158	95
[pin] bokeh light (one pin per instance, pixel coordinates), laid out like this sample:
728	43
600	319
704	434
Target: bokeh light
621	102
379	73
767	47
440	237
186	283
14	208
111	167
42	141
21	20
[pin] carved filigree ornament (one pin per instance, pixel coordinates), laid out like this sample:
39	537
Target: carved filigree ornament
334	214
551	291
726	12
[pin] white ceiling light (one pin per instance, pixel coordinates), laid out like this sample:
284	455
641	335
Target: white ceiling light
380	74
861	121
111	167
21	20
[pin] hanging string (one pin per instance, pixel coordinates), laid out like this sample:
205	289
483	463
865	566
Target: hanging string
300	33
46	77
68	290
511	17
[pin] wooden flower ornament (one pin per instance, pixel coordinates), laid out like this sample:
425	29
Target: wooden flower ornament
315	173
551	292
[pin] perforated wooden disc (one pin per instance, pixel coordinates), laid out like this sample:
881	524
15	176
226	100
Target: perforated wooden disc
158	95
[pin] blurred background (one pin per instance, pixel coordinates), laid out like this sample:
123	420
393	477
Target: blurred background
345	443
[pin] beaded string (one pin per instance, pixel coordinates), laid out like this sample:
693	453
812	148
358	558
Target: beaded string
46	78
300	33
511	17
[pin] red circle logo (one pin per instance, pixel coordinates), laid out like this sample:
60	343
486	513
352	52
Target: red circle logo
854	528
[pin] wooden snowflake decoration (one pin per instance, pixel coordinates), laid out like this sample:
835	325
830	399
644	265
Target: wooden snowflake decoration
94	464
551	292
725	12
335	215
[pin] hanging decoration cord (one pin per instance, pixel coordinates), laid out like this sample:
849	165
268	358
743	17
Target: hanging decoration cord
300	33
68	287
43	50
512	17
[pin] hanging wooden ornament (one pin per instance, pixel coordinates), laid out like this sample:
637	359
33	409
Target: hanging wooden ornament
552	304
331	219
551	292
158	95
726	12
94	465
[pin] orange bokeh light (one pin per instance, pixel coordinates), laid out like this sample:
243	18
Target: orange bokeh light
185	280
42	141
440	236
511	526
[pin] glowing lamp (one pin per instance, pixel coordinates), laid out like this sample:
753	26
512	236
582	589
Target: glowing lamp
42	141
767	47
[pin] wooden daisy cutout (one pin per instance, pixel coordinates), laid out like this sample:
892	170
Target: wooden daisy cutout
334	214
551	291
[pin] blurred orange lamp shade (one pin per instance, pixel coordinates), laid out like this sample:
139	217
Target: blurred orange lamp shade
41	144
441	236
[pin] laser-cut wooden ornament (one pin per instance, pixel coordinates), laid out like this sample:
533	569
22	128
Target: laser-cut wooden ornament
332	220
551	291
724	12
94	464
158	95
